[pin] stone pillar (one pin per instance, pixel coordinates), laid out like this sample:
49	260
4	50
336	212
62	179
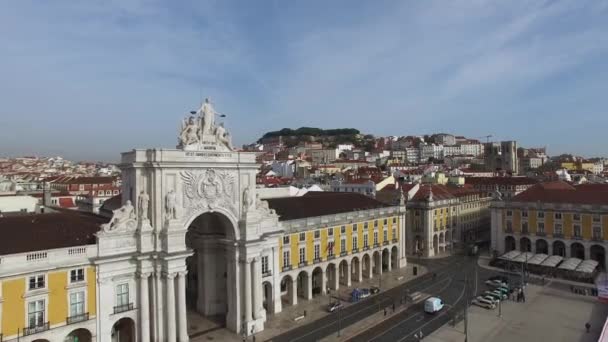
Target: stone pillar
293	300
182	314
390	258
348	274
160	302
276	287
550	249
171	322
370	268
247	296
200	290
336	278
324	282
360	270
308	287
144	307
256	270
233	279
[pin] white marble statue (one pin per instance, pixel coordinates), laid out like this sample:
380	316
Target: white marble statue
171	205
121	218
223	136
190	132
247	202
142	205
207	114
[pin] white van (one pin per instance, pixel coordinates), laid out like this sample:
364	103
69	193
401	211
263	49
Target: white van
433	304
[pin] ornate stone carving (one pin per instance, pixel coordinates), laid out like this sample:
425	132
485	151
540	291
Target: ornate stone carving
247	201
123	219
142	206
171	205
209	190
201	133
497	196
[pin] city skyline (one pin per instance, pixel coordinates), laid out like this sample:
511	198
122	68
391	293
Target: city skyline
88	81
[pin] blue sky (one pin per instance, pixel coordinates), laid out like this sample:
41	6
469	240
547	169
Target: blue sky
90	79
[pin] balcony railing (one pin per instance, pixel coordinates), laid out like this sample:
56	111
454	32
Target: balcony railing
36	329
385	242
345	253
355	250
365	248
303	264
266	274
395	240
376	245
541	234
78	318
525	232
597	238
577	237
123	308
509	230
286	268
317	260
331	257
558	235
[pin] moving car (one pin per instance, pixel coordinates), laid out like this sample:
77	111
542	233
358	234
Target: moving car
364	293
432	305
483	304
334	306
374	290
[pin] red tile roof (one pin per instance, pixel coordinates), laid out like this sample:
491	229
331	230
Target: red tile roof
500	180
562	192
321	203
66	228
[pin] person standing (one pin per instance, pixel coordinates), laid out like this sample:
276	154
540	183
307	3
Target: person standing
587	327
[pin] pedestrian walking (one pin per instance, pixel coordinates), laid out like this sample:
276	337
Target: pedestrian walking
523	297
384	311
393	307
587	326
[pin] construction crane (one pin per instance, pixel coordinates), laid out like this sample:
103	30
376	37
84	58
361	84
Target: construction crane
485	136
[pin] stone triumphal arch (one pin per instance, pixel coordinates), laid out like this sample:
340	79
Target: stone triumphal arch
190	234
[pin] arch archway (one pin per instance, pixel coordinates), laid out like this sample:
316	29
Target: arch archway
355	269
343	272
385	259
542	246
267	300
435	244
598	253
559	248
525	245
367	266
302	283
317	281
394	257
287	295
509	244
418	244
79	335
441	242
123	330
377	262
211	268
577	250
331	272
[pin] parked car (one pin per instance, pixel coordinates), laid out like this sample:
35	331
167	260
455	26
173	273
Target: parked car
495	283
495	295
500	295
334	306
374	290
483	304
504	279
504	289
433	304
485	300
495	301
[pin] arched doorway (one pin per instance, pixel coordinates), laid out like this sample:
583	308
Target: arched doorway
377	262
317	281
79	335
509	244
385	259
343	267
559	248
287	295
525	245
448	240
367	266
302	283
577	250
394	257
331	272
123	330
441	242
598	253
354	269
267	300
211	268
418	244
542	247
435	244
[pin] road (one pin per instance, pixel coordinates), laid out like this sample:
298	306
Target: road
449	284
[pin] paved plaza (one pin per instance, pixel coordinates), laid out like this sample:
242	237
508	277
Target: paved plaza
315	309
551	313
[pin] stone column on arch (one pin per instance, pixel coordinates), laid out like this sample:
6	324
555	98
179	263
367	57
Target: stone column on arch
170	294
248	293
182	313
293	300
308	287
323	282
144	307
390	258
348	273
256	270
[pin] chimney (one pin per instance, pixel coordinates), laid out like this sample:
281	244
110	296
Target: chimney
46	194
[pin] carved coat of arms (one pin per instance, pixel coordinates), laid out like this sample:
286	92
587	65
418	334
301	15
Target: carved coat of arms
209	190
